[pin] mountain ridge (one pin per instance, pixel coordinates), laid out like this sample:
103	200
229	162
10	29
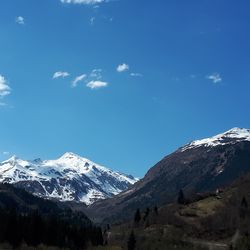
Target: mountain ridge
193	168
68	178
220	139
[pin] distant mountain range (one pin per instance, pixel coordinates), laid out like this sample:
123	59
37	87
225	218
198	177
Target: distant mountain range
69	178
199	166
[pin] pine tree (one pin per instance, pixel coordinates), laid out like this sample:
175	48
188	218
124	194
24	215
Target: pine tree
146	214
243	207
244	203
156	210
181	198
131	241
137	216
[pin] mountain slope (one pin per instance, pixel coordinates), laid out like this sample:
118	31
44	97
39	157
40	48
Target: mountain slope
69	178
201	165
28	220
212	221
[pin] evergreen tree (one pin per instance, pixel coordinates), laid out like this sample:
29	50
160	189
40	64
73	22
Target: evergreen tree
146	214
244	203
243	208
156	210
181	198
131	241
137	216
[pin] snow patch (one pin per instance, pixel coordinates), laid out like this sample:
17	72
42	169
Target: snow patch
70	177
229	137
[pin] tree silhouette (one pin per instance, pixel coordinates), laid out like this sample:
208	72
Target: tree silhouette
156	210
137	216
131	241
244	203
243	207
181	198
146	214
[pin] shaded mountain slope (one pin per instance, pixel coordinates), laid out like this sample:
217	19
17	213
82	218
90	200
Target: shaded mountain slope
29	221
202	165
212	221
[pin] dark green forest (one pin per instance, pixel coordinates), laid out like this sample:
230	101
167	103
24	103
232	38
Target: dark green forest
26	219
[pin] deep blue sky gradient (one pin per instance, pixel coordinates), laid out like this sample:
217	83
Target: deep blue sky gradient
135	121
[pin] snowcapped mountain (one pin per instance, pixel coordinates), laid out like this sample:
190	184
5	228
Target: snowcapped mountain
231	136
200	166
69	178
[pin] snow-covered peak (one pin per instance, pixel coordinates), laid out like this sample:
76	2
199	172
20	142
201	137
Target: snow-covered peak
240	133
14	161
69	155
73	159
229	137
70	177
13	158
37	160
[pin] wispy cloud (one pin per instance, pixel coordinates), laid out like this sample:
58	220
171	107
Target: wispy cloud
95	81
122	67
78	79
136	74
92	80
96	84
4	87
92	20
96	73
215	78
20	20
3	104
59	74
5	153
192	76
86	2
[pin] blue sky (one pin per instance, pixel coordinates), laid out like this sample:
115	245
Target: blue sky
121	82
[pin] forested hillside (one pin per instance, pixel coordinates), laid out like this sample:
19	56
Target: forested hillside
32	221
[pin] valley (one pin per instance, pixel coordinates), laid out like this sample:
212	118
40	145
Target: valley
195	198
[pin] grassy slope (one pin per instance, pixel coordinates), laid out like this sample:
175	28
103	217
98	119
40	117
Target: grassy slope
209	222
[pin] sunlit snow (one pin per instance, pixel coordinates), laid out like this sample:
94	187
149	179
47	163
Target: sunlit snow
59	178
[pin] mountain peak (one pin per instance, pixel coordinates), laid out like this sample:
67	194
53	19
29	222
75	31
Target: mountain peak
201	166
231	136
69	178
13	158
238	132
69	155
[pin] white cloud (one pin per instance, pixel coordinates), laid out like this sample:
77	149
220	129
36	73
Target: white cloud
122	67
4	87
92	80
96	73
86	2
136	75
78	79
96	84
20	20
215	77
92	20
59	74
6	153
